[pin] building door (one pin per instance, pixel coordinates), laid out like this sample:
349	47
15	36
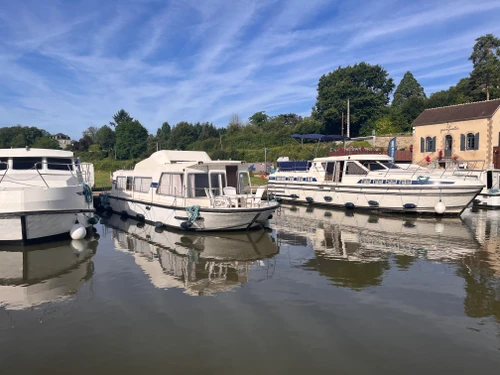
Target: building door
496	157
448	146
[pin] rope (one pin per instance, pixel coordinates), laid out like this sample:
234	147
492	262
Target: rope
193	213
87	192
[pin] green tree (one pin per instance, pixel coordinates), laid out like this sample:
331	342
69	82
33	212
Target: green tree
182	135
258	118
91	132
208	130
411	109
289	119
368	88
486	60
46	142
309	126
106	138
18	141
408	88
121	116
131	140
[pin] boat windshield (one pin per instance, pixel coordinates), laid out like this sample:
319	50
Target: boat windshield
373	165
390	165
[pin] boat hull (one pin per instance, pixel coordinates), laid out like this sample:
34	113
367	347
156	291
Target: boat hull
418	199
38	227
210	219
487	200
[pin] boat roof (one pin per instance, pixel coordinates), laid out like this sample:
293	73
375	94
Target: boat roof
362	157
34	152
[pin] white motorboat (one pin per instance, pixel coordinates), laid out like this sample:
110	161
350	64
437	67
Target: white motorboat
43	193
198	263
489	197
372	182
187	190
44	273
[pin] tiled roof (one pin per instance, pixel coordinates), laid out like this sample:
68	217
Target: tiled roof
460	112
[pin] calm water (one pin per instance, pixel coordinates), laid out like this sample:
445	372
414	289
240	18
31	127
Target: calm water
322	292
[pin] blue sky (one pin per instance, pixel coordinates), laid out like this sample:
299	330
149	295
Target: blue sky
68	65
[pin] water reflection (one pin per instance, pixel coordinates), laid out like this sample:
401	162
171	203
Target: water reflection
356	250
33	275
481	272
201	264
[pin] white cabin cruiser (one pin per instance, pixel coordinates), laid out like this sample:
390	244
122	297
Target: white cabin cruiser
187	190
489	197
372	182
43	193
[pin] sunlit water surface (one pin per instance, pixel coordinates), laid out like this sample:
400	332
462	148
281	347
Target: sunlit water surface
322	292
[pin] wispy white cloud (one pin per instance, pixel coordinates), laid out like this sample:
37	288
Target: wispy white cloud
69	67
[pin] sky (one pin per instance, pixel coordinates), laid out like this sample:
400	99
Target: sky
68	65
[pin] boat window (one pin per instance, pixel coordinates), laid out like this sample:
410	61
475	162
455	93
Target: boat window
120	183
330	171
60	164
197	182
354	169
171	184
142	184
130	183
390	165
26	163
217	183
3	164
244	186
373	165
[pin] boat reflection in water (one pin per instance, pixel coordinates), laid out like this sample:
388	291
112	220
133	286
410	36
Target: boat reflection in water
201	264
355	249
37	274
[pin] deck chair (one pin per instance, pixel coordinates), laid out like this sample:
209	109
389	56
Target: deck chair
254	200
230	196
215	201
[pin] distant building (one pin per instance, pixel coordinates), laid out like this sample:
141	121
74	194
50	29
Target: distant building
456	133
63	139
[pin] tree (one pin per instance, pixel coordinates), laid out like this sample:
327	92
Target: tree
368	88
106	138
91	132
121	116
289	119
164	131
208	130
412	108
408	88
309	126
131	140
18	141
486	60
258	118
46	142
182	135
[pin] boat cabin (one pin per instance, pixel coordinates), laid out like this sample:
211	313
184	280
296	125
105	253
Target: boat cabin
23	159
336	169
182	174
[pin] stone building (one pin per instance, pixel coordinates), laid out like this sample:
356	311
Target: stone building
459	134
63	139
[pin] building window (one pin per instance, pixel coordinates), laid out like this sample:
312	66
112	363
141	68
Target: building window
428	144
471	142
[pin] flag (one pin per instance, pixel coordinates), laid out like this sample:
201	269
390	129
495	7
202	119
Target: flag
391	149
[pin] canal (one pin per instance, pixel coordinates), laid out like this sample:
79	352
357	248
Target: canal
322	291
